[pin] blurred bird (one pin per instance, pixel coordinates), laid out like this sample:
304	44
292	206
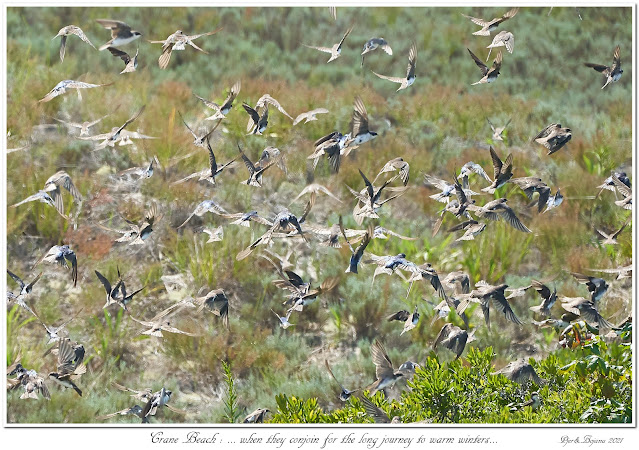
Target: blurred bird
588	310
259	122
377	414
488	75
396	164
519	371
330	145
160	323
109	139
489	25
67	31
68	368
62	86
498	209
284	323
25	290
553	137
217	302
178	41
374	44
54	334
309	116
262	103
612	73
356	254
215	234
360	132
482	295
471	229
622	272
256	416
336	50
255	172
530	185
626	202
84	126
32	383
611	239
135	410
203	208
410	71
345	394
384	372
453	338
548	298
225	108
497	135
121	33
316	188
502	39
212	171
596	286
61	254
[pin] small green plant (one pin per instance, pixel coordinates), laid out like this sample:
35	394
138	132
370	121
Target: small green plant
231	411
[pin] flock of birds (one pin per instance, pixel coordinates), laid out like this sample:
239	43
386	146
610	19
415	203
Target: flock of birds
456	195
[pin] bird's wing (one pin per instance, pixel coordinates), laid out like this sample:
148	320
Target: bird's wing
393	79
383	364
479	62
124	56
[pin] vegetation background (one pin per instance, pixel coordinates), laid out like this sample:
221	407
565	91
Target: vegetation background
437	125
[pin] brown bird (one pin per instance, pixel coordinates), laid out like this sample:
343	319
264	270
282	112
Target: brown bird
453	338
502	171
384	372
489	25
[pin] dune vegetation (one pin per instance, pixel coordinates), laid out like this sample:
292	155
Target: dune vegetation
436	125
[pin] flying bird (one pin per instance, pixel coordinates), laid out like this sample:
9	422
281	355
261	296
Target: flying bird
67	31
384	372
69	368
121	33
498	209
222	110
553	137
502	39
178	41
203	208
62	255
109	139
130	64
502	171
488	75
345	394
519	371
161	323
489	25
62	86
377	414
309	116
410	71
84	126
453	338
497	132
374	44
548	298
612	73
336	50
